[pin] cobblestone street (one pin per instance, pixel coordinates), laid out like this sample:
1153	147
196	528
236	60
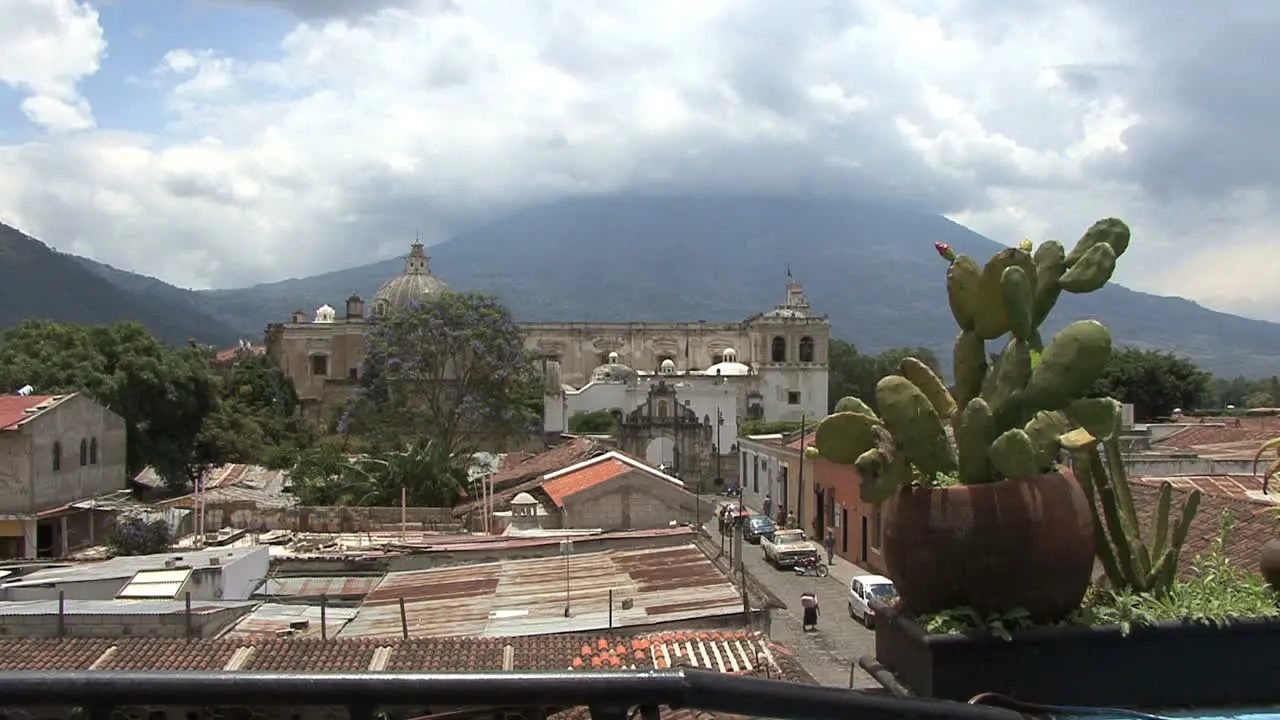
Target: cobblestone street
829	653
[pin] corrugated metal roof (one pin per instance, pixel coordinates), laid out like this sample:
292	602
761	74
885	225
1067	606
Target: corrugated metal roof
269	619
527	597
119	607
341	585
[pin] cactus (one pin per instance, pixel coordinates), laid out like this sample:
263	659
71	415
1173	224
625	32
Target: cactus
1273	468
1129	561
1008	420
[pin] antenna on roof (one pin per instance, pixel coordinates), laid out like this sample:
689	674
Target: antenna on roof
25	390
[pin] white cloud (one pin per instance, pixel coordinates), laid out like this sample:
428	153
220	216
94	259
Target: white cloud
49	46
361	127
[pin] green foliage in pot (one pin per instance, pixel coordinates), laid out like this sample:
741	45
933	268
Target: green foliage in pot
1001	420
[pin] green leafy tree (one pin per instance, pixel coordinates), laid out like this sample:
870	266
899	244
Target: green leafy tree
596	422
164	394
257	412
451	369
852	373
140	536
428	475
1154	382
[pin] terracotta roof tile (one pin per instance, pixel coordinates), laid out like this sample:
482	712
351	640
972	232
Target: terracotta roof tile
13	408
1254	525
581	479
1229	440
795	444
1245	487
527	475
725	651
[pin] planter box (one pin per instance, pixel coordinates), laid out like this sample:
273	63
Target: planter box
1167	665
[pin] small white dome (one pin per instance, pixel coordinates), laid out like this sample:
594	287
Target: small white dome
667	367
728	368
730	355
613	358
325	314
523	498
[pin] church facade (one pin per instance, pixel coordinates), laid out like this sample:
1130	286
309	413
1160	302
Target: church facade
771	366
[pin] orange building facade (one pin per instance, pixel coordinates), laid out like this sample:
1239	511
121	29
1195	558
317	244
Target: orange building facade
837	504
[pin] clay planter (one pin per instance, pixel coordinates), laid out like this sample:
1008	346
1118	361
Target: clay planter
1160	666
998	547
1271	563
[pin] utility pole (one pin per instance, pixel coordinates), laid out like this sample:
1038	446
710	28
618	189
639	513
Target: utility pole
800	479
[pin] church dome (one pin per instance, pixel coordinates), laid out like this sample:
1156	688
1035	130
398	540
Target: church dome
728	366
414	283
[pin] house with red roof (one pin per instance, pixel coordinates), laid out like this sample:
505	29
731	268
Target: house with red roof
615	491
57	453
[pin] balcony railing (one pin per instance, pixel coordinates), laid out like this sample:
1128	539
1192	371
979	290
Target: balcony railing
102	695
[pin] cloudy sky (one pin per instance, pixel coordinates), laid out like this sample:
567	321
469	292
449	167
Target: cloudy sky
216	143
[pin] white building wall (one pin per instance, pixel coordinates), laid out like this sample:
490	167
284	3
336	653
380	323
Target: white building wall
776	384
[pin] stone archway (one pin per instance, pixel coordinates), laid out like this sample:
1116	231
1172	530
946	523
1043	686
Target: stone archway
661	450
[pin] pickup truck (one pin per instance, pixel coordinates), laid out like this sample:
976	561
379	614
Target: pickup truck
786	547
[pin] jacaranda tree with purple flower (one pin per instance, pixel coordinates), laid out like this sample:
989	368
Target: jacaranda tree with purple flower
451	369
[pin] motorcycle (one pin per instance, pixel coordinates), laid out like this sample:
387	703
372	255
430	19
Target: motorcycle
811	566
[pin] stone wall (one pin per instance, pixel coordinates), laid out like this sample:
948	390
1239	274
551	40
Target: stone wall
328	519
112	625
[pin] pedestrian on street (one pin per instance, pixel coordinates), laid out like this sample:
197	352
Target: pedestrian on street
809	601
767	506
791	521
829	542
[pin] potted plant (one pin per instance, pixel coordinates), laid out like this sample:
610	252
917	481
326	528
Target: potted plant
1271	551
977	510
991	540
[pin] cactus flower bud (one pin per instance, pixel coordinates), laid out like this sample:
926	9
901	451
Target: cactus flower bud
1025	245
945	251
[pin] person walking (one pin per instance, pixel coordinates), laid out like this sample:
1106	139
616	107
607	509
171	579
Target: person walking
791	521
766	507
829	542
809	602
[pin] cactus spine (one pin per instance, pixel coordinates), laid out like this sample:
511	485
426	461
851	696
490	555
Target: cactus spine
1002	421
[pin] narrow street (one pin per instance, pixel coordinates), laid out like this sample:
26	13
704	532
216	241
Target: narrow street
839	641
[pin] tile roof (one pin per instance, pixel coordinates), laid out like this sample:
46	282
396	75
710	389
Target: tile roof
1255	525
1246	487
796	444
1228	440
594	471
526	476
723	651
584	478
14	409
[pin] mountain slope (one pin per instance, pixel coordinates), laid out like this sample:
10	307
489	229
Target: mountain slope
871	268
38	282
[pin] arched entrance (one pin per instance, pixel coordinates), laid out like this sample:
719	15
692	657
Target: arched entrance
661	451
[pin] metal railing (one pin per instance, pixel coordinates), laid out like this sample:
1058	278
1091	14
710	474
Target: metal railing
608	695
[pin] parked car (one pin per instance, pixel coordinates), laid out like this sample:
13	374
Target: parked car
757	527
861	591
786	547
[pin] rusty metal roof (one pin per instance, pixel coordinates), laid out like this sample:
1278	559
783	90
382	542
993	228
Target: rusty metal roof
528	596
311	586
298	621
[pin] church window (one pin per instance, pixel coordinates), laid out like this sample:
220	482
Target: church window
353	373
57	456
663	410
806	349
93	451
320	365
793	398
778	351
84	452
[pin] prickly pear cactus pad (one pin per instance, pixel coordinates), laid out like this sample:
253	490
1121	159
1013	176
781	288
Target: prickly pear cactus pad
1000	420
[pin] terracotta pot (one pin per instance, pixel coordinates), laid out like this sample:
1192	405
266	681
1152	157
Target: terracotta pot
1271	563
995	548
